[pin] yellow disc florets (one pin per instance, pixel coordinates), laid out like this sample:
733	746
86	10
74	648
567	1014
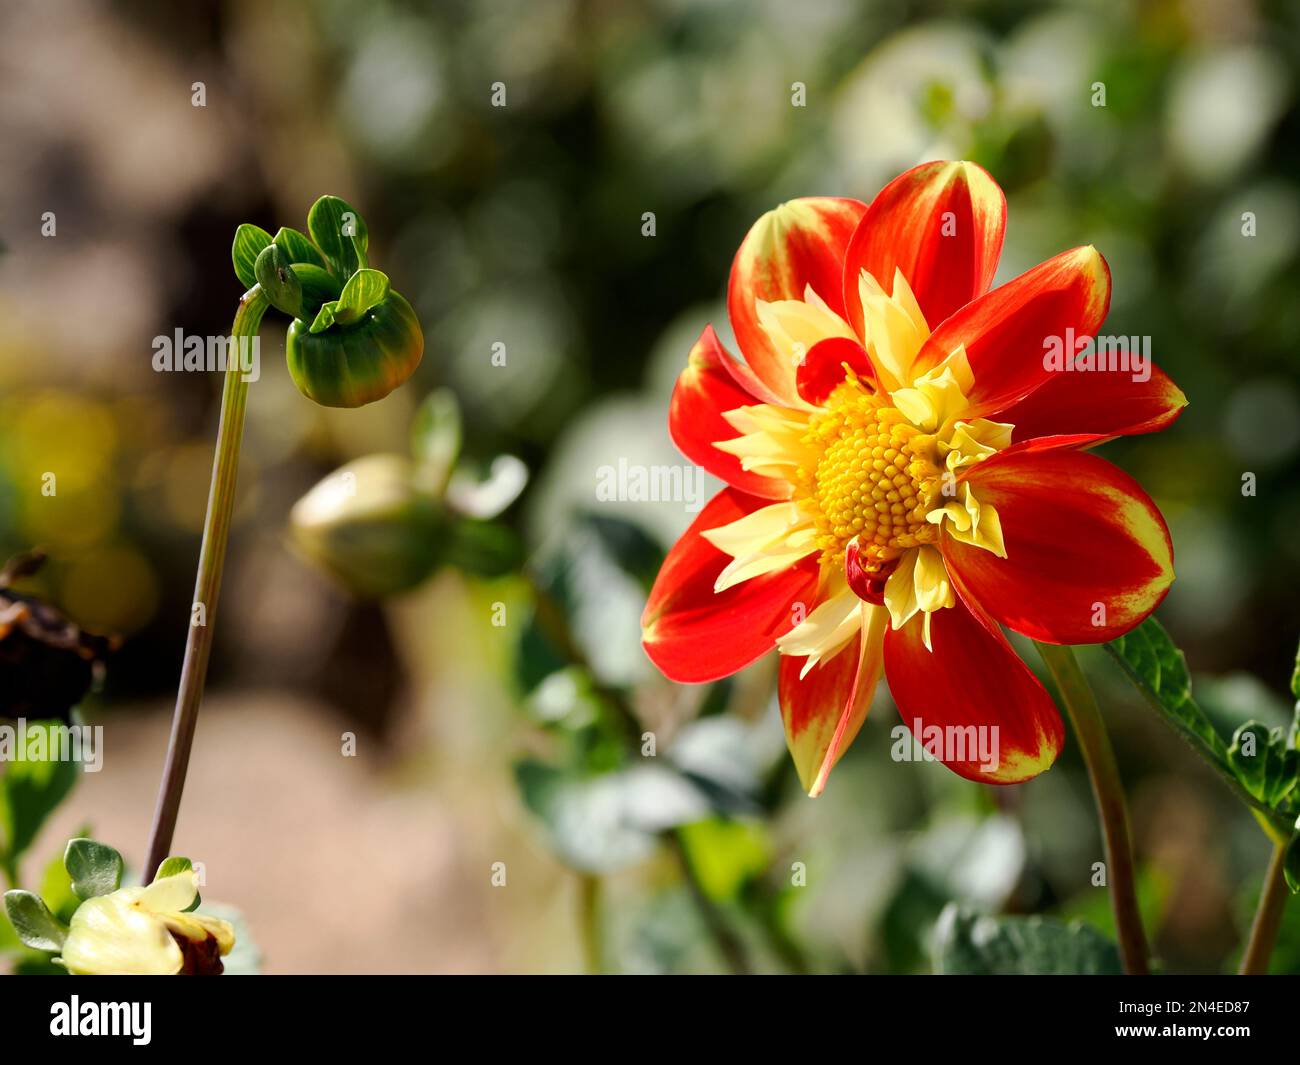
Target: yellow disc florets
875	476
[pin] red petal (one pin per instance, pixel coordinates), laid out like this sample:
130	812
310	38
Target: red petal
822	369
1088	554
972	678
1006	332
694	634
941	224
824	711
800	243
1098	403
704	390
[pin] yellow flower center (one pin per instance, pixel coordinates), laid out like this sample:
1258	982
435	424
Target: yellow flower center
876	476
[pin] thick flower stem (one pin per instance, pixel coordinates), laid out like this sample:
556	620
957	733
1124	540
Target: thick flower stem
1268	915
212	557
1090	730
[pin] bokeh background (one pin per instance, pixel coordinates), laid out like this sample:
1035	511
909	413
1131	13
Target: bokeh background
522	226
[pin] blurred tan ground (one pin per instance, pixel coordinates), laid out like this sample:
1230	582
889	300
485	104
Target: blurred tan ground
336	872
378	863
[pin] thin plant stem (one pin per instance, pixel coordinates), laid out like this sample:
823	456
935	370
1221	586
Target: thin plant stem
207	586
589	915
1090	730
1268	915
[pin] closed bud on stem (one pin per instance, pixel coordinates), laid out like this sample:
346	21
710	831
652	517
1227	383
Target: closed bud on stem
353	339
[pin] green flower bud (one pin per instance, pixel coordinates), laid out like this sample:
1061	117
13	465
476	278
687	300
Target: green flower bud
370	527
349	364
353	340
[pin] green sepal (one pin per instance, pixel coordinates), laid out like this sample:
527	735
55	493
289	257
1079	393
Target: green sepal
973	944
171	867
364	289
275	274
250	241
95	868
298	247
32	920
318	287
339	231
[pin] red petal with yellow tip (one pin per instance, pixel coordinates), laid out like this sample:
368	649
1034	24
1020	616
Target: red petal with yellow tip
824	711
1088	554
705	389
1010	333
824	368
695	635
971	702
941	224
1100	403
800	243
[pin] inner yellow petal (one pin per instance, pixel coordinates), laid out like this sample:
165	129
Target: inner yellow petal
794	326
894	325
835	621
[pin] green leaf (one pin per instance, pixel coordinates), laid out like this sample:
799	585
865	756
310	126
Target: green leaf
30	790
1295	681
278	280
436	440
968	943
95	868
33	922
1157	667
339	231
299	249
603	822
726	855
1248	757
1291	866
250	241
1156	664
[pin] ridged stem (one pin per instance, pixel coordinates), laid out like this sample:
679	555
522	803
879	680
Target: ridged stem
1094	743
207	586
1268	915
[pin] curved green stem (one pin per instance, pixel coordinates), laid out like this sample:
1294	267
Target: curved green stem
1268	915
1090	730
212	557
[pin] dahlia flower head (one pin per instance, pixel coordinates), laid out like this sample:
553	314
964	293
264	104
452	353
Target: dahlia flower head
908	472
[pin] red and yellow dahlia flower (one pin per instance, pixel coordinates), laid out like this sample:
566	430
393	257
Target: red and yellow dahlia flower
907	473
